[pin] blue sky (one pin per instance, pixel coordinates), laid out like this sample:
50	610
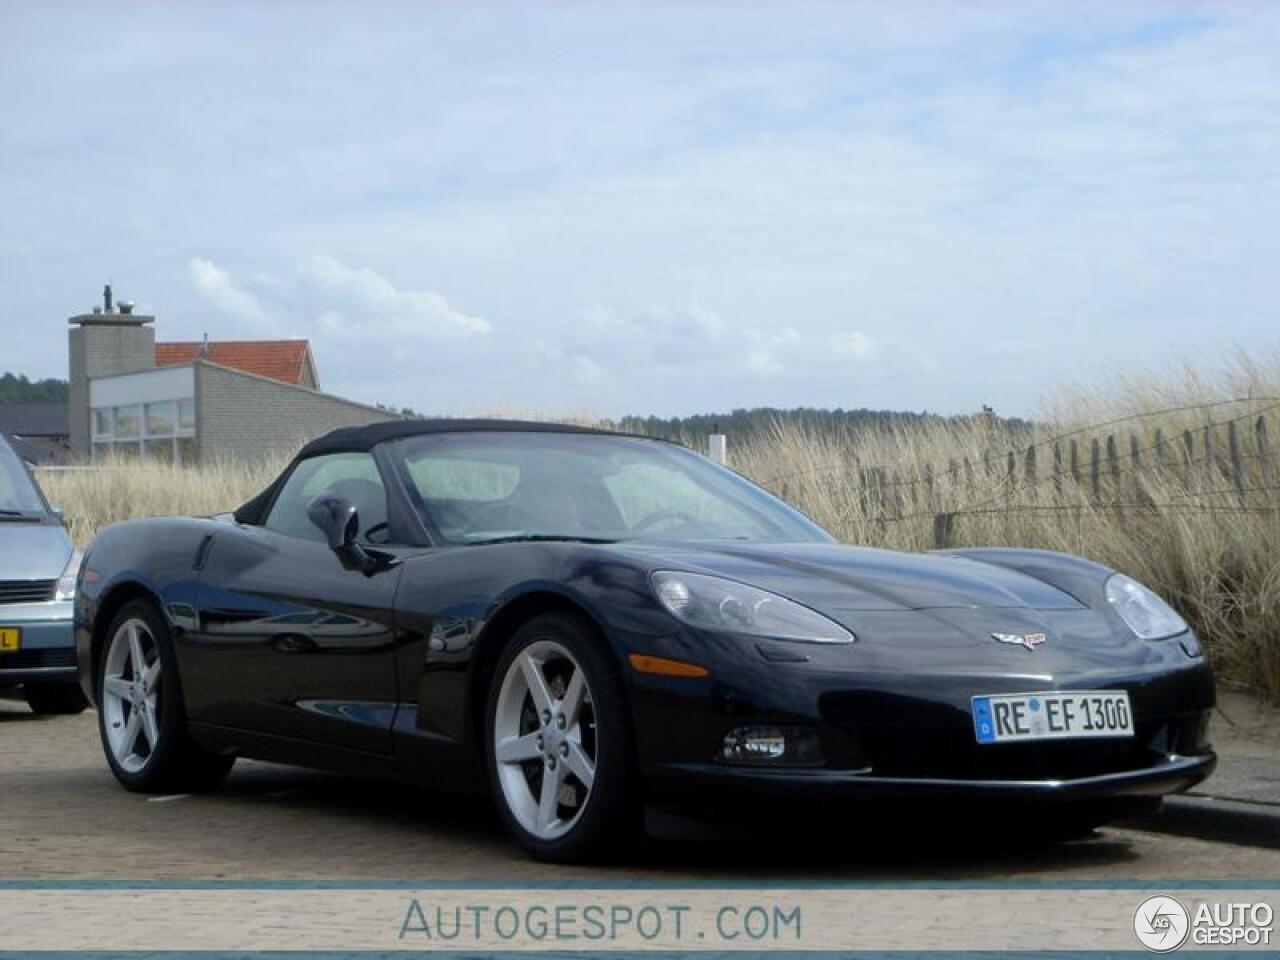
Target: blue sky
651	207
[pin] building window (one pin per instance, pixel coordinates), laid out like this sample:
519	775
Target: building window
128	423
162	419
163	432
102	426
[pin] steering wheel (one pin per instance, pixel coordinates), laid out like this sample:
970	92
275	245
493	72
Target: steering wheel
663	516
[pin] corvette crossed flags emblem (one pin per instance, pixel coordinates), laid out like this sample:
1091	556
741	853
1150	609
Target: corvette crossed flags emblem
1029	640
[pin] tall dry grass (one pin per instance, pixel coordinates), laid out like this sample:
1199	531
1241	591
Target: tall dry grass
126	490
1186	532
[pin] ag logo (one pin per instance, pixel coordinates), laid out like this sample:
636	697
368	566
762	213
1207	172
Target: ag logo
1030	640
1161	924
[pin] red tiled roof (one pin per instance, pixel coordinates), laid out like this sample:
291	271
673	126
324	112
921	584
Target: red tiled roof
283	360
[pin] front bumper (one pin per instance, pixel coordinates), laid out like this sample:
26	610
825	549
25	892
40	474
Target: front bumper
48	643
719	784
898	723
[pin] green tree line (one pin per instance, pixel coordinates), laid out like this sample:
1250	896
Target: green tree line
16	388
746	422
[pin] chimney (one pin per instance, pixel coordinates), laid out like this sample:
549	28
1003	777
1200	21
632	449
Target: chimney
101	343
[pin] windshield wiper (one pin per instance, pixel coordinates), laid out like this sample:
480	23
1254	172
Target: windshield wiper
541	538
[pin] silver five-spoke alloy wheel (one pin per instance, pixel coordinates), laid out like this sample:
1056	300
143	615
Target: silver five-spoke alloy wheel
131	695
544	739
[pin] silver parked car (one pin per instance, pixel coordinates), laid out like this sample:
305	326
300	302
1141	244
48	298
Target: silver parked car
38	567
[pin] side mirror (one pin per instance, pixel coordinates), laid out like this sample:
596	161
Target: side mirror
339	521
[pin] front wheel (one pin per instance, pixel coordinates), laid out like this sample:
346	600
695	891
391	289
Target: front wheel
560	747
141	716
55	698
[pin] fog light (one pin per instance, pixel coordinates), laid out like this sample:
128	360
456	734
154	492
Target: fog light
772	746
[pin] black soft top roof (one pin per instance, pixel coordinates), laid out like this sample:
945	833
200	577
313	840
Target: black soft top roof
358	439
364	439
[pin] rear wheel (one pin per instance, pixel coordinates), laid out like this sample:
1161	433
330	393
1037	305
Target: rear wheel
55	698
559	740
141	716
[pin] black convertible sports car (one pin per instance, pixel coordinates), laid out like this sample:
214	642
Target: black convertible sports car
589	623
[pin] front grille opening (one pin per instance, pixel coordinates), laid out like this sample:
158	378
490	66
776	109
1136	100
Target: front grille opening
27	591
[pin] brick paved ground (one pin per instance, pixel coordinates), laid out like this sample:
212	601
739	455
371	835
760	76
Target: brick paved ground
64	816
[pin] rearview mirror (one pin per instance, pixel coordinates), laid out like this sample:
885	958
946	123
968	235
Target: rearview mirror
339	521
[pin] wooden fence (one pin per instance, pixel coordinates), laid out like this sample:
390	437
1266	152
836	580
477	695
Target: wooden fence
1235	458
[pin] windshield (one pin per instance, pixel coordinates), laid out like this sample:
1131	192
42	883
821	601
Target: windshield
18	494
485	487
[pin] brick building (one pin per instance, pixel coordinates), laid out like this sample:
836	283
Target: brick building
192	402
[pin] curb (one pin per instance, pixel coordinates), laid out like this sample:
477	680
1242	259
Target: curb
1217	819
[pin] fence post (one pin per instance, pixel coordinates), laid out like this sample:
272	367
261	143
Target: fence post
1208	457
1162	450
943	527
1057	467
1188	457
968	473
719	448
1095	468
1029	469
1135	465
1113	463
1264	453
1012	470
1237	457
1075	462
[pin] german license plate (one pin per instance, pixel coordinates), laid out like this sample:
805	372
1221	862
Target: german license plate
10	639
1054	715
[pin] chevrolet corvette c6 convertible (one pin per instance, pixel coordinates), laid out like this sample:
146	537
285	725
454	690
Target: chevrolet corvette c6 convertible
588	624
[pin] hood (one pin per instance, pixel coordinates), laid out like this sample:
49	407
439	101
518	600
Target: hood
33	551
834	578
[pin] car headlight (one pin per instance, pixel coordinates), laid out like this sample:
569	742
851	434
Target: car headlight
1146	614
712	603
66	589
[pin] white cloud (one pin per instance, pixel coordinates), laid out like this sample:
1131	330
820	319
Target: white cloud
363	303
851	344
217	286
364	330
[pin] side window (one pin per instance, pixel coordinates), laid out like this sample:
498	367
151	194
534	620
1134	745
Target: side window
352	476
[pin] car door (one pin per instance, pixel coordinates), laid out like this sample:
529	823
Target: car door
287	640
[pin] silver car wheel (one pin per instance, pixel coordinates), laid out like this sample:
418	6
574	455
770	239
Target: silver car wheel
131	695
544	739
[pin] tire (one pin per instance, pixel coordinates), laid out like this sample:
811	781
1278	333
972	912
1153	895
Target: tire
577	825
52	699
171	762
